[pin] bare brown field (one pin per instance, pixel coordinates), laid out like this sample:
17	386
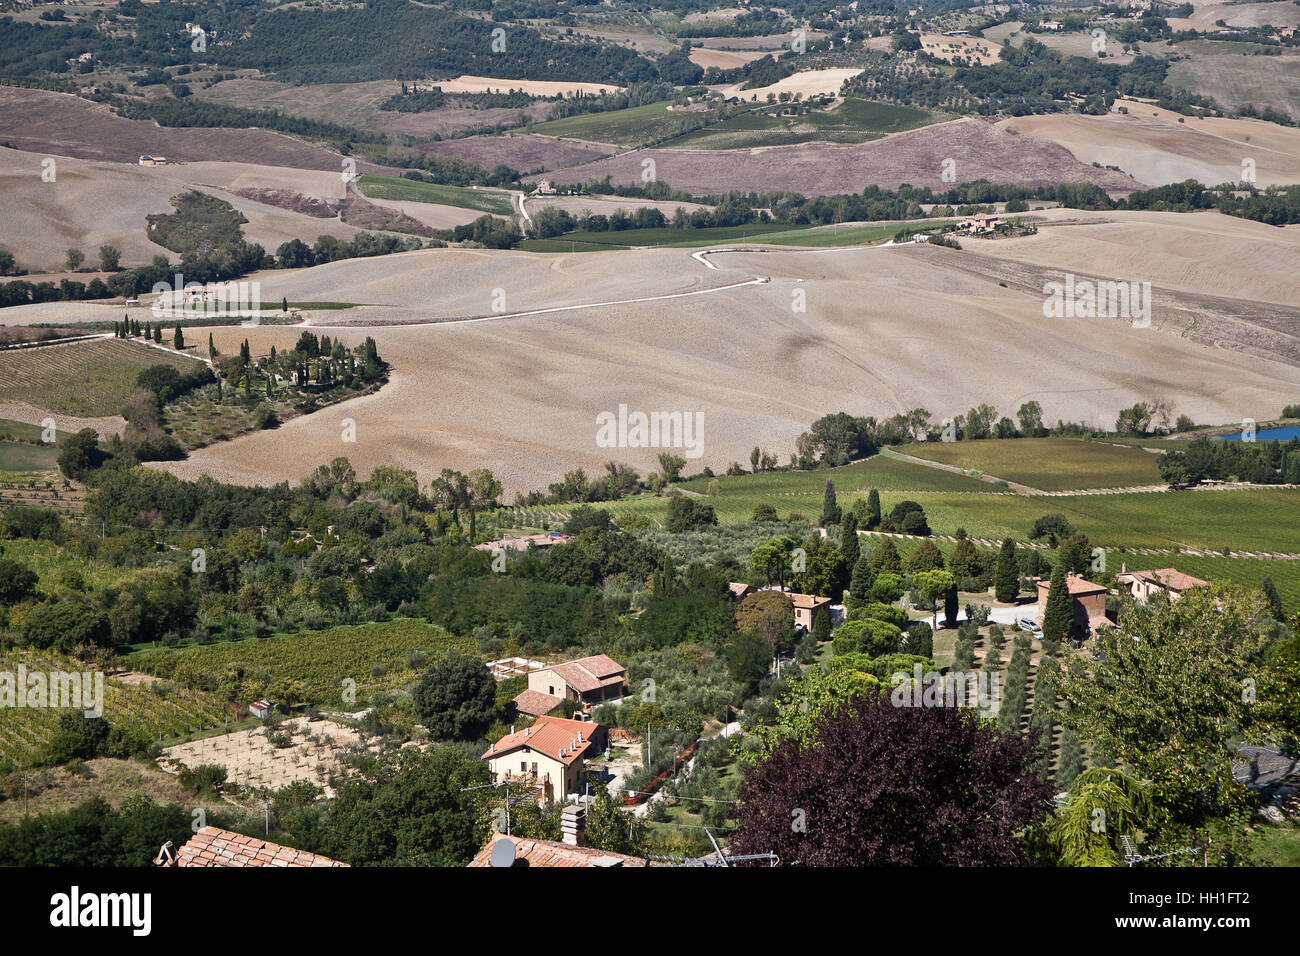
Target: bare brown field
885	329
64	125
432	215
1279	13
526	152
94	202
724	59
769	42
357	104
980	150
807	82
1237	81
1151	144
467	83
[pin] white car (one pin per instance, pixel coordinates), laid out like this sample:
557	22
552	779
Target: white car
1029	624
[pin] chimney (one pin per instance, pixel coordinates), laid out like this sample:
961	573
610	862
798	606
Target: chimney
573	825
527	730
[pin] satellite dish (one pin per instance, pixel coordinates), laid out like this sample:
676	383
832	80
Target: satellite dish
503	852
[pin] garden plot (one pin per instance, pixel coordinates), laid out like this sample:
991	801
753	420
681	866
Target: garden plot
254	758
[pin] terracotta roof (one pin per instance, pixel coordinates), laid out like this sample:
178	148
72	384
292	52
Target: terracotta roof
590	673
212	846
536	703
1170	578
739	589
560	739
808	600
551	853
522	543
1077	585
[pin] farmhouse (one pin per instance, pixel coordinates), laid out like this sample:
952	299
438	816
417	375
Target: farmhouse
260	709
212	846
806	607
1089	601
740	591
550	755
1167	581
589	681
524	542
153	160
980	224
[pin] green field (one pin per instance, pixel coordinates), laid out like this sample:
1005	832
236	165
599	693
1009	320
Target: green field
769	233
373	655
1244	519
377	186
19	457
1048	464
800	492
85	379
634	126
852	121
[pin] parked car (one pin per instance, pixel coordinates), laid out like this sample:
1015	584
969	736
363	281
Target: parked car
1028	624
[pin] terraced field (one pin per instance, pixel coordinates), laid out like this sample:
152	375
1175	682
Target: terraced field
373	655
85	379
1049	464
25	732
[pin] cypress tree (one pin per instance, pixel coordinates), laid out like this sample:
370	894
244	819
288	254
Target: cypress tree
864	576
830	508
821	631
157	334
212	349
1058	617
873	509
950	607
178	339
850	547
964	562
1272	601
1006	580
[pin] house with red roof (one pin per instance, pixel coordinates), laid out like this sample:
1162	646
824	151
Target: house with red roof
1089	601
590	681
1167	581
550	755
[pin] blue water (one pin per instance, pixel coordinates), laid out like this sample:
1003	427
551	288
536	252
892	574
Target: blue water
1269	434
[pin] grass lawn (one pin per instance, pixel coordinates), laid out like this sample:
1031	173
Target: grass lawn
378	186
1049	464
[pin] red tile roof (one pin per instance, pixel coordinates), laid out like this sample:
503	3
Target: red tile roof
1170	578
551	853
212	846
536	703
590	673
1077	585
556	737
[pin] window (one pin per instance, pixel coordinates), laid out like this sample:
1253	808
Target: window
550	689
534	767
523	766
